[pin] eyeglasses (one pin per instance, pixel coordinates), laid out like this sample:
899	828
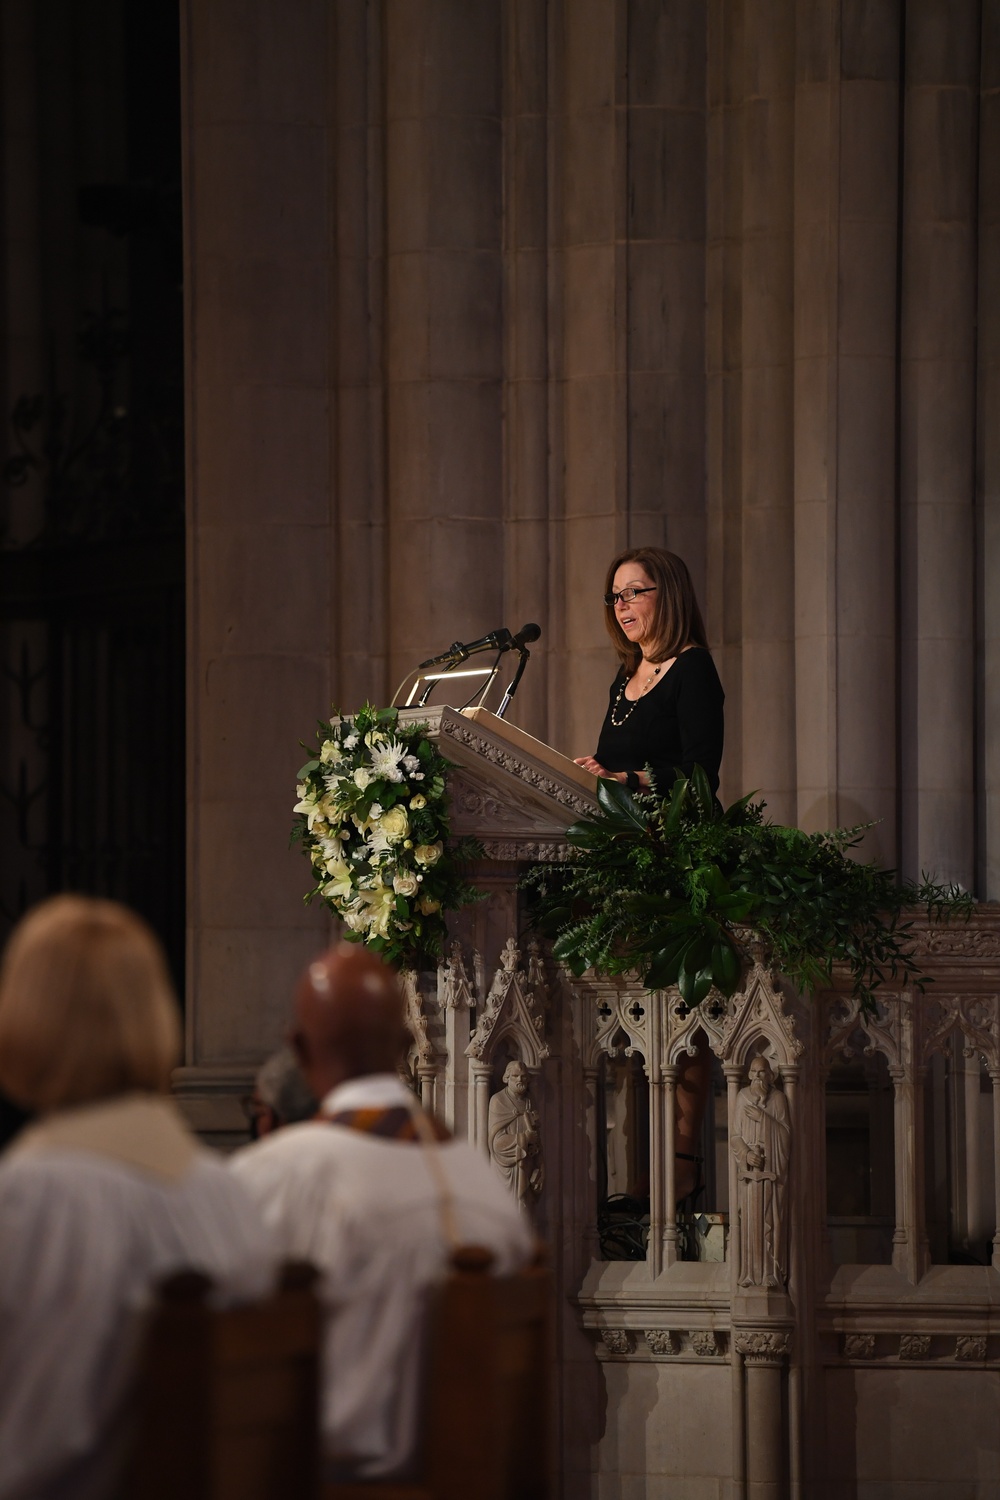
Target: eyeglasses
627	595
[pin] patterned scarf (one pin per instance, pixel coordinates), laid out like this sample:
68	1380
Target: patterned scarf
395	1124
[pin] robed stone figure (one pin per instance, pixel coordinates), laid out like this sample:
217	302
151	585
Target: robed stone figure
515	1145
760	1143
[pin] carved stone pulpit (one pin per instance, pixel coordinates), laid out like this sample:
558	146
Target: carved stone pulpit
568	1086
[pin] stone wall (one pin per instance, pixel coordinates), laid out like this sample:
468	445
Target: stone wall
480	291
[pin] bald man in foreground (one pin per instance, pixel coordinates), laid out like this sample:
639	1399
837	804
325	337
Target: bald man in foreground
362	1193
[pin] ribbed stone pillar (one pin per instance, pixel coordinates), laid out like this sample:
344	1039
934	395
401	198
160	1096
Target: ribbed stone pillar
988	456
443	322
937	437
526	459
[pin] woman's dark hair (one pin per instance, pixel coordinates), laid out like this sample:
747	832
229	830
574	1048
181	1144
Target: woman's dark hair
677	619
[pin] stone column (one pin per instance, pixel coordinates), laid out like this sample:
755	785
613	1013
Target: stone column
257	310
588	499
665	280
663	1105
443	323
526	401
937	437
767	417
764	1353
359	606
846	159
988	459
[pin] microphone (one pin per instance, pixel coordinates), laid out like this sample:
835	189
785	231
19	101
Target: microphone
497	640
524	637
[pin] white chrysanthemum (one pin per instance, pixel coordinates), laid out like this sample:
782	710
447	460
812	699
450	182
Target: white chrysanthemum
386	759
377	842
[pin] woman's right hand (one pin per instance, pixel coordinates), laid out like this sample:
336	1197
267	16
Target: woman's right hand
596	769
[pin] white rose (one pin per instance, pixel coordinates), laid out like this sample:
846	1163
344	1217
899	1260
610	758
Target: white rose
418	802
361	778
350	742
395	824
428	854
405	884
376	812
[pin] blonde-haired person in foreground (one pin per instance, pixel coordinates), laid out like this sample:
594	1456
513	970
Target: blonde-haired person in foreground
102	1196
364	1195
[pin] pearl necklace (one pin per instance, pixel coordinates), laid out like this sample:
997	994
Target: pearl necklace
631	701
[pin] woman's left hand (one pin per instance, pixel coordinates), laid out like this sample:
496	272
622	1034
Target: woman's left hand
596	769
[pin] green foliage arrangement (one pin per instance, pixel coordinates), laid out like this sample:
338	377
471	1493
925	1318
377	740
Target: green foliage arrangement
372	815
669	889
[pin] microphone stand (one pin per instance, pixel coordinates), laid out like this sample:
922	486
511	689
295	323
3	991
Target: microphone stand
523	653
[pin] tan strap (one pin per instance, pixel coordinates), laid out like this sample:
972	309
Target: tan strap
432	1152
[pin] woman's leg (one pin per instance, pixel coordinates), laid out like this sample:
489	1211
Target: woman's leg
694	1079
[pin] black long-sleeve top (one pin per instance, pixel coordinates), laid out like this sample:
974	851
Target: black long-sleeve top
677	725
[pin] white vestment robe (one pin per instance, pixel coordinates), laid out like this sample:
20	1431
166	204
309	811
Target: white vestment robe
366	1211
96	1206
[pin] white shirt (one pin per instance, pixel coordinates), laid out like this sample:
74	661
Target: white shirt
85	1232
366	1212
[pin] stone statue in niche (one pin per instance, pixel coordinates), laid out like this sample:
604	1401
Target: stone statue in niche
514	1141
760	1142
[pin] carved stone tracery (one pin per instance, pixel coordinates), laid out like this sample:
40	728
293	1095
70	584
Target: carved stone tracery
974	1017
514	1008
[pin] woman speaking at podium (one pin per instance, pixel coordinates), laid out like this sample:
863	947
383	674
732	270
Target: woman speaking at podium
664	716
665	708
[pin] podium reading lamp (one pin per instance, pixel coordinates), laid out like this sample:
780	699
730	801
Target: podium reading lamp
421	681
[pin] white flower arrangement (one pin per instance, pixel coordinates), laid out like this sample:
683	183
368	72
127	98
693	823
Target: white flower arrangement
372	816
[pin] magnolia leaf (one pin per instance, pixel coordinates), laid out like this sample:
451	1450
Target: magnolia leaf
585	832
725	967
666	964
310	765
617	802
671	819
701	986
